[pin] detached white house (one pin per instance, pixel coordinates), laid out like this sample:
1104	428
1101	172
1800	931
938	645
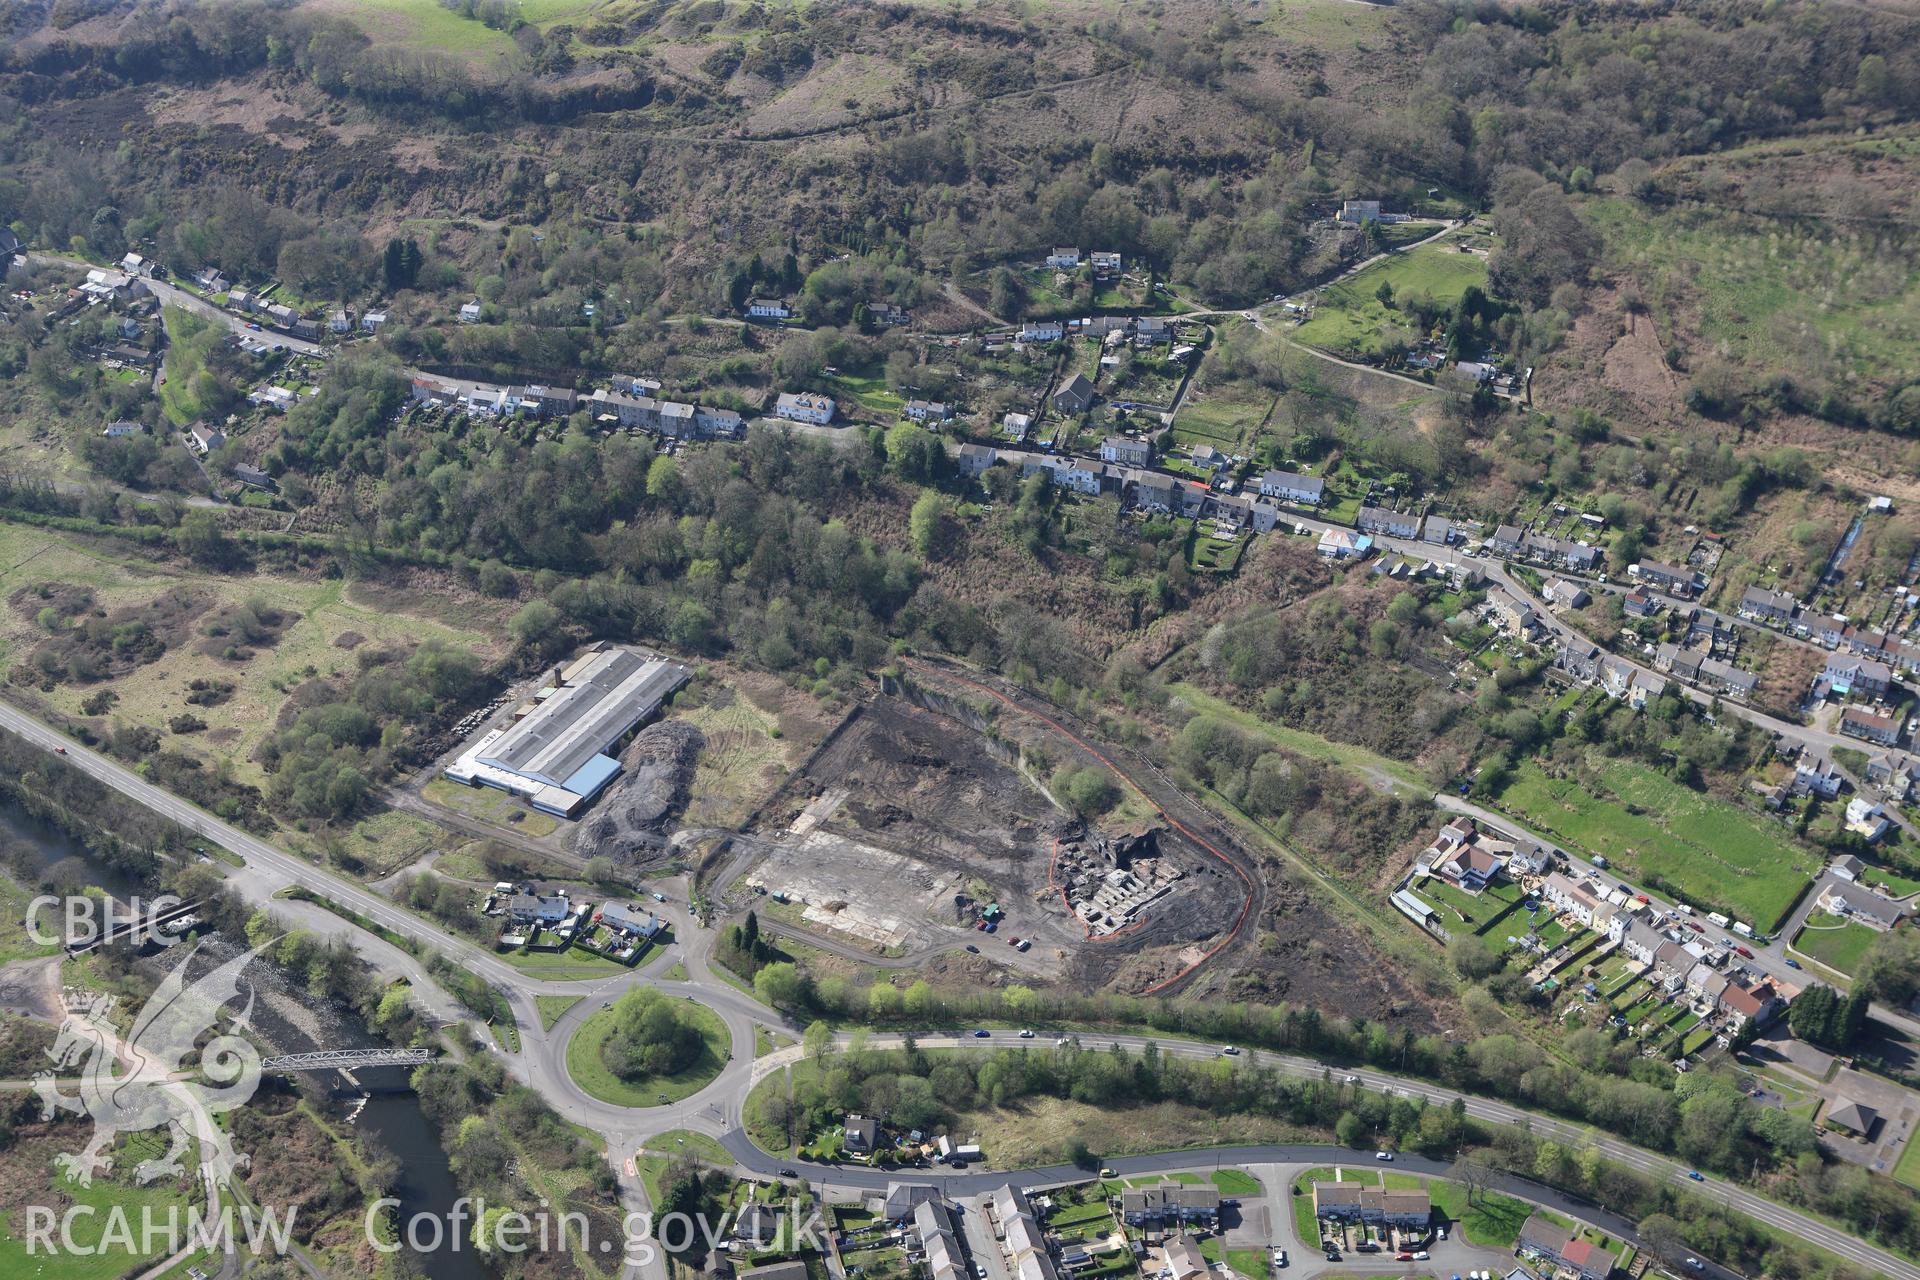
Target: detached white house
470	313
769	308
1065	259
805	406
1042	331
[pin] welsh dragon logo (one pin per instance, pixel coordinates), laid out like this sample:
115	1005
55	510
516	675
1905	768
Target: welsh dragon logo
137	1082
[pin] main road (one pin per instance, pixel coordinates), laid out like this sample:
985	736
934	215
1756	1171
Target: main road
718	1109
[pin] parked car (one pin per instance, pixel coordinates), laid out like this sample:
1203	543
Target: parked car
1333	1255
1421	1255
1106	1172
1744	953
1792	963
1366	1246
1695	926
1403	1256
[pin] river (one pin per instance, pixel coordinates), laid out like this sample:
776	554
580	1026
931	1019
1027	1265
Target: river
287	1020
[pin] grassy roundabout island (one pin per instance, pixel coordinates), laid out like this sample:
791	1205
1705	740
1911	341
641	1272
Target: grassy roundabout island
646	1049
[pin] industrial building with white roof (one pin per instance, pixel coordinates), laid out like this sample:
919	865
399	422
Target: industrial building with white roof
559	754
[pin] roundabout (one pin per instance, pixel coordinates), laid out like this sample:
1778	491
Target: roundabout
607	1054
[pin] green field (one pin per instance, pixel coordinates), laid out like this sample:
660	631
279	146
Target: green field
429	24
1693	844
591	1073
1836	943
1326	24
1225	417
327	619
1771	291
869	391
100	1258
1350	316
